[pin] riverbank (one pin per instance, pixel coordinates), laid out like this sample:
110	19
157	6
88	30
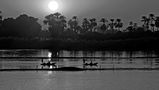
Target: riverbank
126	44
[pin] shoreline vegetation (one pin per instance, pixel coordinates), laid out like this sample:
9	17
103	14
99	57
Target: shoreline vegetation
24	32
129	44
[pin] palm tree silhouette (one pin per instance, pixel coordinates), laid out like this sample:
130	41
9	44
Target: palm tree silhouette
146	22
70	24
112	24
118	24
56	22
85	25
135	26
73	23
0	15
0	19
57	15
130	28
152	19
157	23
104	27
75	18
93	24
63	22
103	20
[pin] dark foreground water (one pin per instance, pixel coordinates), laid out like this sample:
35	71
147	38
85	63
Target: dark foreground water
82	80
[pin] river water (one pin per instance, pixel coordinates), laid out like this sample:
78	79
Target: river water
82	80
115	59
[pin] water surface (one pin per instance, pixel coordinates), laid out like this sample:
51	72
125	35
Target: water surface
82	80
123	59
89	80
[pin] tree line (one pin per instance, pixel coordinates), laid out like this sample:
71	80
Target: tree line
27	27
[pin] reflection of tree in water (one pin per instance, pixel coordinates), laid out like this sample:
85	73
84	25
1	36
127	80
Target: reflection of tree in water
130	54
1	65
55	54
118	53
74	53
85	53
156	62
7	53
148	53
103	53
19	53
27	52
156	53
153	61
89	53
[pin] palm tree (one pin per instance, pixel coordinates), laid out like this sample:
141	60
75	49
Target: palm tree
70	24
131	23
56	22
93	24
75	23
153	27
135	26
112	24
130	28
63	22
152	19
104	27
146	22
103	20
0	15
85	25
112	20
157	23
79	29
118	24
75	18
152	16
0	19
57	15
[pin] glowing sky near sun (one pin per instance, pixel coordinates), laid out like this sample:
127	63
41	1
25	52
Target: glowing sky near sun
124	9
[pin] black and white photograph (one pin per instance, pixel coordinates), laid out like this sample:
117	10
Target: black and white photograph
79	44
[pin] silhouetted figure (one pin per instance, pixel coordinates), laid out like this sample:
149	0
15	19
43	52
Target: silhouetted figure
42	60
48	64
91	64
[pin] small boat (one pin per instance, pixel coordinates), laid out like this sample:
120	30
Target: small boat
48	64
91	64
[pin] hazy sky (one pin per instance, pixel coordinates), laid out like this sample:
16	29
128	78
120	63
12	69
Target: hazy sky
125	9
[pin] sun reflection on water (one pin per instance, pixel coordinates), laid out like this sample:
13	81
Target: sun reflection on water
49	54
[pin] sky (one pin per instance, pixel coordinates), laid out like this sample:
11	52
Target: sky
127	10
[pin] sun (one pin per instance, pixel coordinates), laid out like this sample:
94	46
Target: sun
53	5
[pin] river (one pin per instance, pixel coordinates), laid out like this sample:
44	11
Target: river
81	80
